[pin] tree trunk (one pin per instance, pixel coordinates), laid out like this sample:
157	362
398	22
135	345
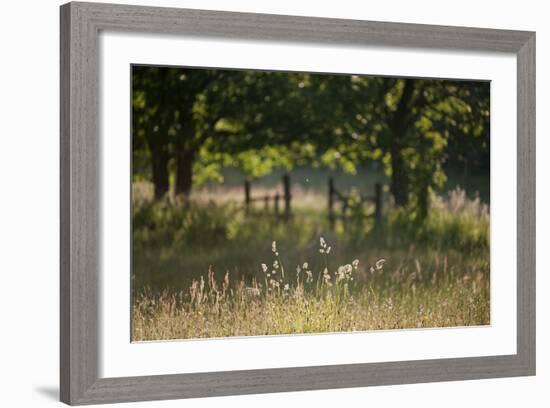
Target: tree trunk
399	126
399	177
423	200
159	159
184	172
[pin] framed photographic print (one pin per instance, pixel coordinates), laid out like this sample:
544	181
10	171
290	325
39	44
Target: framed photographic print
260	203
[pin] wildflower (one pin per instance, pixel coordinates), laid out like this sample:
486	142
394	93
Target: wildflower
340	274
298	270
305	265
276	264
274	247
380	264
344	272
326	276
264	268
286	287
355	263
321	250
322	242
328	250
273	272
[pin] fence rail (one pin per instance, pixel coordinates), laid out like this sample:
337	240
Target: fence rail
286	196
335	197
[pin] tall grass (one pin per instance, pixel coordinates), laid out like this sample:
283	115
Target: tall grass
207	270
306	301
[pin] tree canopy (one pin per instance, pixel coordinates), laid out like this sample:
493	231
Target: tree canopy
189	123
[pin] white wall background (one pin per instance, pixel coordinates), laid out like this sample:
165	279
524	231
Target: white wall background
29	204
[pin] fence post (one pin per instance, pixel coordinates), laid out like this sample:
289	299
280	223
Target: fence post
246	196
287	196
331	202
378	206
276	206
266	202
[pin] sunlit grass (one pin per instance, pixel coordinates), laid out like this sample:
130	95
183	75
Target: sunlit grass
208	270
305	301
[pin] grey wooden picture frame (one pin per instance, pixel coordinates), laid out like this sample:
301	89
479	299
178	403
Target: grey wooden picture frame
81	24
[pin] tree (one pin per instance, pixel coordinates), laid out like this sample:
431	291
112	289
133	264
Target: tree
262	120
198	120
151	122
170	115
407	124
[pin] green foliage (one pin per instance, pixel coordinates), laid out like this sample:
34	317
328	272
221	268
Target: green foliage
465	233
257	121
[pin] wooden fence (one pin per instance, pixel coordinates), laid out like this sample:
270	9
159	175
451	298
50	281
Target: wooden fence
270	199
335	197
344	199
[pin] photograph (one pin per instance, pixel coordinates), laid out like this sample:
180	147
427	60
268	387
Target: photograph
275	204
288	203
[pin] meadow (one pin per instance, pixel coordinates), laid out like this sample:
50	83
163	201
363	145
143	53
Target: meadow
205	268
